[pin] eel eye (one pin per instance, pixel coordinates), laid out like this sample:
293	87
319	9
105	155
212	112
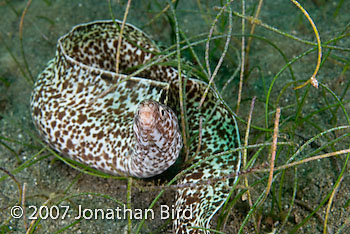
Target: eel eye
161	112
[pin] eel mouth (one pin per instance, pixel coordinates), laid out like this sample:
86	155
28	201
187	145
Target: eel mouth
147	114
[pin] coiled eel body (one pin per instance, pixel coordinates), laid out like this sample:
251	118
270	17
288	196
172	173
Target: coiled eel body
133	130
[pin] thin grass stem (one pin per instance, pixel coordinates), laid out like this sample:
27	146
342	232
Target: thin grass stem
121	37
23	204
243	59
313	79
21	41
273	151
212	76
246	139
180	79
335	189
128	203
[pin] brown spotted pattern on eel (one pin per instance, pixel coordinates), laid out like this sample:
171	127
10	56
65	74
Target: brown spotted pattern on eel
134	129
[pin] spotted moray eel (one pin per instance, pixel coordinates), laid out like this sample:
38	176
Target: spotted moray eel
134	130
